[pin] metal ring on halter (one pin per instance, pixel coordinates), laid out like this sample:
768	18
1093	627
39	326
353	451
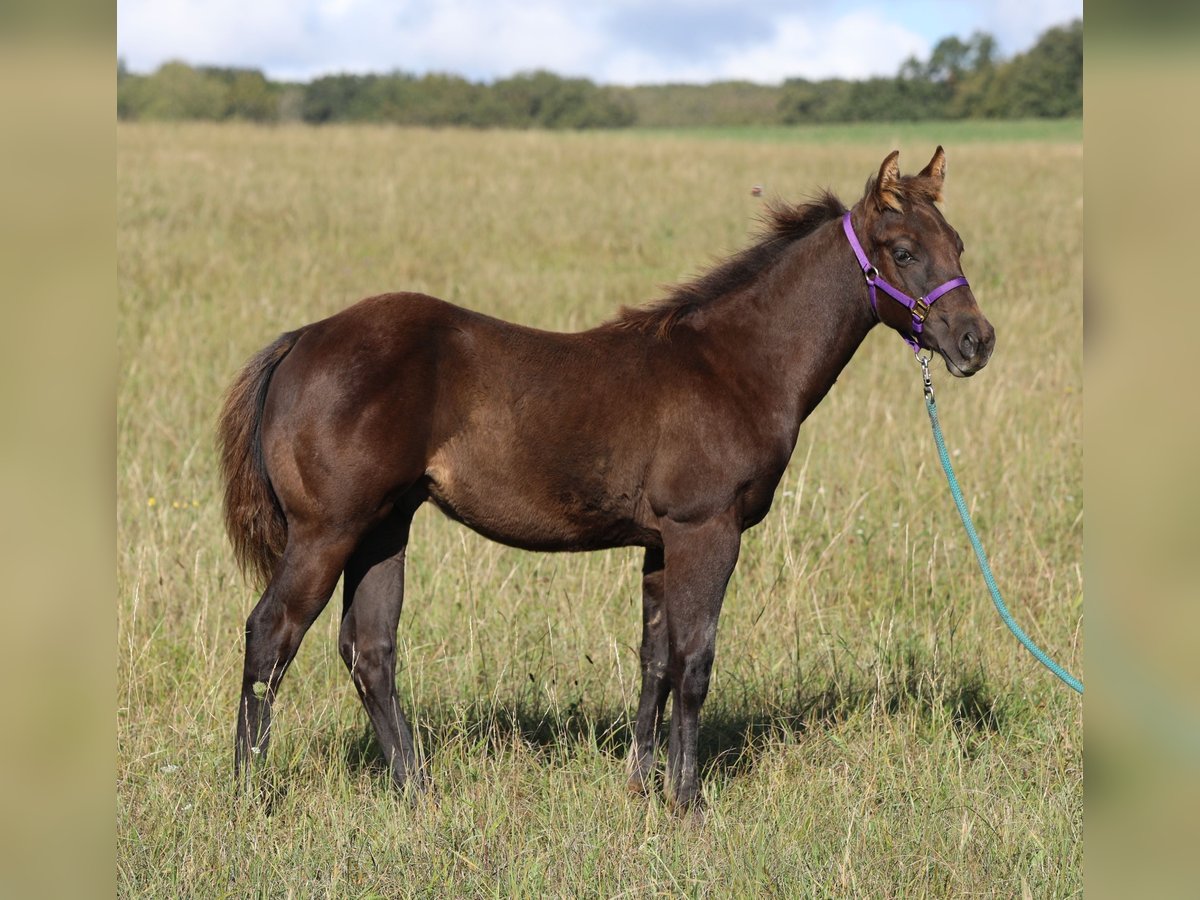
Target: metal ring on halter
871	274
925	376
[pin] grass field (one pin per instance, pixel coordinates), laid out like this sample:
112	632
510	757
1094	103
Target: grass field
876	733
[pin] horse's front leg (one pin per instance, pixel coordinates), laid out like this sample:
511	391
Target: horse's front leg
655	686
698	560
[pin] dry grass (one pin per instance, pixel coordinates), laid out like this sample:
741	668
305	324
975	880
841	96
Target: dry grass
872	730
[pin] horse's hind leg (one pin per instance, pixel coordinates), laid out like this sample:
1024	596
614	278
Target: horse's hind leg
655	686
295	597
374	596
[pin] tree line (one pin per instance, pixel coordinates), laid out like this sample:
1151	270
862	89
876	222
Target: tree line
960	79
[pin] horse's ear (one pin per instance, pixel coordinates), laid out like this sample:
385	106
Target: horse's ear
887	185
935	172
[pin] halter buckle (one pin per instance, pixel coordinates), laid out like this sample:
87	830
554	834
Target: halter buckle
920	310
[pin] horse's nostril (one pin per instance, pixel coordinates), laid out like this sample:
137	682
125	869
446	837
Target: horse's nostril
968	344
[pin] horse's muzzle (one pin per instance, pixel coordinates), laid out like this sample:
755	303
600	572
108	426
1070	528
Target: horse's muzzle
966	346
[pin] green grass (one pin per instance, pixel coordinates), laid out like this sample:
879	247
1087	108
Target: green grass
872	729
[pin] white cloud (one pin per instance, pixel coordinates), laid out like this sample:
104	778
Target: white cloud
336	9
150	32
501	37
1016	24
854	45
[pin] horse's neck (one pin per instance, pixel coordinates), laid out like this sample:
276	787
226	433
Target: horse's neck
799	326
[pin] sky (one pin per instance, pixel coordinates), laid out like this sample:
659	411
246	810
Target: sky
608	41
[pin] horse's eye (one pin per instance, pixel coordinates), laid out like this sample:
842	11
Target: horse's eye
901	255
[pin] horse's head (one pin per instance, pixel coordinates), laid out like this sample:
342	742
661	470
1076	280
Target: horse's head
915	249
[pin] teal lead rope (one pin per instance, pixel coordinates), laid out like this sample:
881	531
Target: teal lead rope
1071	682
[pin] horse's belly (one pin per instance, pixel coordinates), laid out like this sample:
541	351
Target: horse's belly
523	510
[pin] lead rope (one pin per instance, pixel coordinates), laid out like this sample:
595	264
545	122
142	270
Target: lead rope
931	407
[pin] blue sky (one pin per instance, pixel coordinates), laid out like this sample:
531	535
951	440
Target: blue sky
609	41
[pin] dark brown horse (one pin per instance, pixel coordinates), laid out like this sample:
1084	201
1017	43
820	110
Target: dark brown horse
667	428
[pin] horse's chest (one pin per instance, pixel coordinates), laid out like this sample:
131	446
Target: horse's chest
756	498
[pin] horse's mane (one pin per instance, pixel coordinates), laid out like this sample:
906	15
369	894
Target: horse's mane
784	225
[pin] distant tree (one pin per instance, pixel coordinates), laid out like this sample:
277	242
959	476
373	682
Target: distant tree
983	51
716	104
972	87
912	68
523	96
543	99
1046	81
949	59
332	98
809	102
874	100
250	97
439	99
124	98
174	91
389	98
799	102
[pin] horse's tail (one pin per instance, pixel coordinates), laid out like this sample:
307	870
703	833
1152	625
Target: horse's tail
253	517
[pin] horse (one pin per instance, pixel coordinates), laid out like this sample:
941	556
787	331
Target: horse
666	428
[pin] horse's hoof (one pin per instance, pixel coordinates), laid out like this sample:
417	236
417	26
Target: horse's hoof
417	790
637	786
690	810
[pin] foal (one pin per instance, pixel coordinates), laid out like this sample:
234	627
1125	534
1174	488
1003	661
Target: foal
667	428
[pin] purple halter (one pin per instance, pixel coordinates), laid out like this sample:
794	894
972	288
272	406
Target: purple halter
919	307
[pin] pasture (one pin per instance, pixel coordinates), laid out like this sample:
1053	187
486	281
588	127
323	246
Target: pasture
878	733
